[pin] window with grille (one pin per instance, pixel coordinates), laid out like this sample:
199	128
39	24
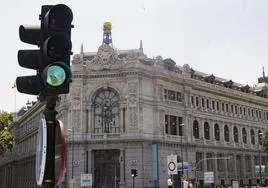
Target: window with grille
217	132
106	111
226	133
196	129
206	131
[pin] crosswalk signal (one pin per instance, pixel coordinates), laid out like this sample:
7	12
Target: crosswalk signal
134	173
56	49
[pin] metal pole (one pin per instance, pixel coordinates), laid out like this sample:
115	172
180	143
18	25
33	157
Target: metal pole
182	155
260	137
133	181
72	154
260	166
115	175
50	116
196	181
182	167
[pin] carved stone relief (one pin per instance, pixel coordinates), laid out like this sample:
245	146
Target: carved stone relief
132	104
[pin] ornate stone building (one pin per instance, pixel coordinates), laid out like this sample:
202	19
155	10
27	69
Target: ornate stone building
127	111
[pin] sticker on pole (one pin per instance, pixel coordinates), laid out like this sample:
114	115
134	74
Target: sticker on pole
41	152
172	164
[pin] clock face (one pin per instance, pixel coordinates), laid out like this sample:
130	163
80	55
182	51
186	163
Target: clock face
106	111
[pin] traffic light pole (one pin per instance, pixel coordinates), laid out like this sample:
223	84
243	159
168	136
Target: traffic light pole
50	116
133	181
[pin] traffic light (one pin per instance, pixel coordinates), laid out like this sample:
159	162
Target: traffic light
56	45
29	59
52	60
134	173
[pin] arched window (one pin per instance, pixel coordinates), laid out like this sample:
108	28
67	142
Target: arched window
217	132
226	133
244	135
252	136
106	111
196	129
235	134
206	130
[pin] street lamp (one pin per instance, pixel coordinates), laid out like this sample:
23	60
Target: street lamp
72	131
181	125
260	137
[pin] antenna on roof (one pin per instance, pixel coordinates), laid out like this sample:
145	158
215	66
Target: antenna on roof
263	73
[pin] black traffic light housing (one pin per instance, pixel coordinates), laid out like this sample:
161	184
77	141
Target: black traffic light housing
29	59
56	49
52	60
134	172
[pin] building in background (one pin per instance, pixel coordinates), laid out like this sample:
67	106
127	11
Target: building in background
126	111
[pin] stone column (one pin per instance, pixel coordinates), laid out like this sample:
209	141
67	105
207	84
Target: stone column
211	131
122	183
221	127
205	161
243	167
188	128
122	128
89	120
253	166
215	167
225	164
231	133
235	166
201	129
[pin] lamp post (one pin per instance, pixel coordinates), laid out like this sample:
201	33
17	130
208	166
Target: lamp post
260	138
182	168
181	125
72	131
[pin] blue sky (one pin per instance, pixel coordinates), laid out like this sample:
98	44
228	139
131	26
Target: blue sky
225	37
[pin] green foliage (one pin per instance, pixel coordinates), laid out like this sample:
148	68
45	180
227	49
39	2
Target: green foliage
5	117
6	139
265	140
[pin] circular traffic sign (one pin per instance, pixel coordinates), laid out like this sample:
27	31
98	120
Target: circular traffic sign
41	151
171	166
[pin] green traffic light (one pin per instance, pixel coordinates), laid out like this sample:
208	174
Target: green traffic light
56	75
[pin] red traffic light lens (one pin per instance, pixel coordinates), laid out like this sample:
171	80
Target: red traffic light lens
57	47
60	17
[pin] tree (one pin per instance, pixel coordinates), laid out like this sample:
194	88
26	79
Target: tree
5	117
265	141
6	139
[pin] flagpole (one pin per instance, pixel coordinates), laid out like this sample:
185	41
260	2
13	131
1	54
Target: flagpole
15	102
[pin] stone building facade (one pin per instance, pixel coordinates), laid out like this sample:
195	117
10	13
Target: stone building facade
127	111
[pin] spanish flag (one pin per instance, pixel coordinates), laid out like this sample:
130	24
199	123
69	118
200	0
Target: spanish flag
13	85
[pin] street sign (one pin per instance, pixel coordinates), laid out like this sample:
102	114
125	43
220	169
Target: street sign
259	168
41	152
86	180
208	177
184	166
172	164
